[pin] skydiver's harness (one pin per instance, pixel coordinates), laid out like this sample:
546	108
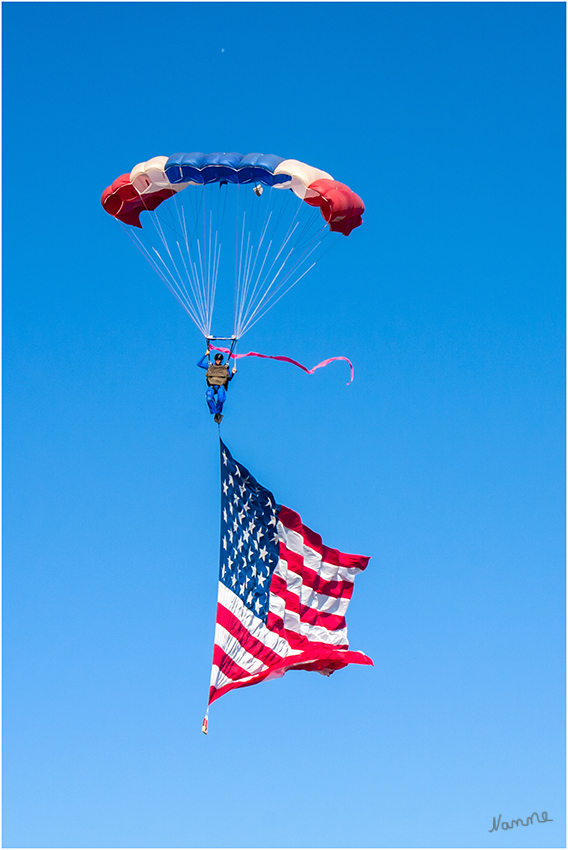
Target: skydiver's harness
219	376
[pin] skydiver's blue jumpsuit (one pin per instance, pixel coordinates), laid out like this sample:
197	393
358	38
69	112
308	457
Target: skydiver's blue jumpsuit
216	396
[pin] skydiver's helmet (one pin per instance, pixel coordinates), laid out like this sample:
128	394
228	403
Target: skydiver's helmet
218	359
258	190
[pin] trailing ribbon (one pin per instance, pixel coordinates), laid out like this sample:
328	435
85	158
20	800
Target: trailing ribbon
284	359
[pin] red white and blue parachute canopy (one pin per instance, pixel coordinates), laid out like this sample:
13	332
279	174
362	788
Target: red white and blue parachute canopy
152	182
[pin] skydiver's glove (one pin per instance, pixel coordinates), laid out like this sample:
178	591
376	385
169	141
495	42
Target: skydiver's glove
234	369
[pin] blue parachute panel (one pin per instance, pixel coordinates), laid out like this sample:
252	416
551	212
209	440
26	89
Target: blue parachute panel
233	167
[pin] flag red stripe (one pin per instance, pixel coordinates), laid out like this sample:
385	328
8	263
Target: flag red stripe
327	660
215	693
308	615
290	519
296	640
310	578
227	666
233	625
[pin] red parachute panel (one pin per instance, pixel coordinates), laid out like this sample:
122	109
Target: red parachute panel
340	207
122	201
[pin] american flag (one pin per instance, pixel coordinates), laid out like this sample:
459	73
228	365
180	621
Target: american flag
283	594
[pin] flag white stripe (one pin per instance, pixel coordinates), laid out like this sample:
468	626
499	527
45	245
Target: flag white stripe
316	634
251	622
308	596
236	652
219	680
291	621
312	559
326	604
277	606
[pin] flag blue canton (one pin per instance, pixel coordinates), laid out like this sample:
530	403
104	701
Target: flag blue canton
249	539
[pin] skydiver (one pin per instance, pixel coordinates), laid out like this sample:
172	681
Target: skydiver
217	377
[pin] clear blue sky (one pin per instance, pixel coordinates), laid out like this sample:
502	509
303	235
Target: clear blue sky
444	460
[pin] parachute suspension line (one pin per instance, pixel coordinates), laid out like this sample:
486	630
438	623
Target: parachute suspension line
238	279
239	261
236	263
252	296
256	318
188	276
248	276
204	263
268	303
204	236
287	239
212	262
195	290
169	221
272	253
249	218
179	283
145	253
305	246
304	252
265	296
219	228
232	348
209	269
194	285
205	277
244	263
147	256
201	267
248	257
253	216
195	207
277	196
191	275
258	283
334	242
179	288
215	272
250	271
176	290
269	299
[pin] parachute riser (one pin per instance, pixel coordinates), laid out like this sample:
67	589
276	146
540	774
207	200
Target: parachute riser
232	339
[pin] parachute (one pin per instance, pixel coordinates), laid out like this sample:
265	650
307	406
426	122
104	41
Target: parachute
224	215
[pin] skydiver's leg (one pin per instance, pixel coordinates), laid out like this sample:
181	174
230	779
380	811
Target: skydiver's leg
221	398
211	401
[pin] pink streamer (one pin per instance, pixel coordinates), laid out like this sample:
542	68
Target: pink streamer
284	359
